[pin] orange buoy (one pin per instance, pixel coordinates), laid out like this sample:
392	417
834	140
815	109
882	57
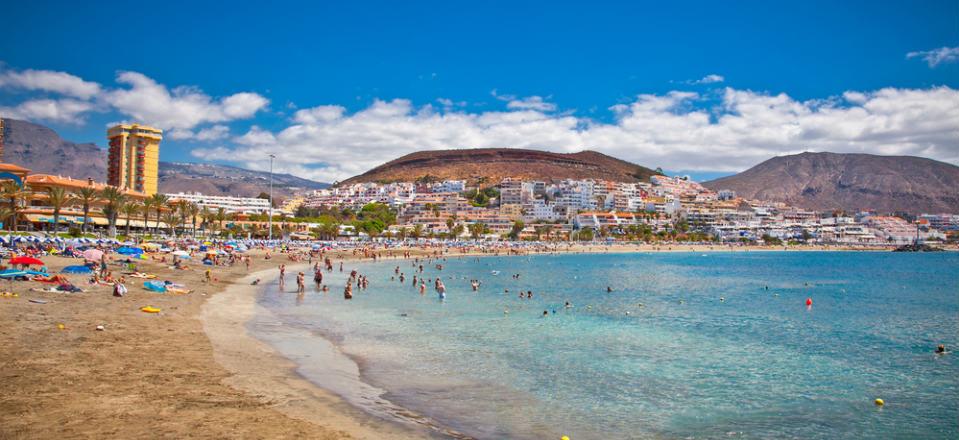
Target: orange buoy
808	301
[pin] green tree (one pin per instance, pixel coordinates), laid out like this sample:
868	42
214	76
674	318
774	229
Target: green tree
130	210
192	211
114	198
15	195
86	197
160	202
146	208
57	198
517	228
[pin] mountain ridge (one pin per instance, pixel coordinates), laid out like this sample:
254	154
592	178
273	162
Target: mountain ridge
850	181
490	165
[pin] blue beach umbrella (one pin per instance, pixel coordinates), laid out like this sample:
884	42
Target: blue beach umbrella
10	273
76	269
129	251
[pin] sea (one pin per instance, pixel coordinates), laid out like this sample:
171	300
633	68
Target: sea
665	345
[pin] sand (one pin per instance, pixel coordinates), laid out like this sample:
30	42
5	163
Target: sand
147	375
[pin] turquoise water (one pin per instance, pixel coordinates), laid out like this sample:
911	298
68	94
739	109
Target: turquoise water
681	364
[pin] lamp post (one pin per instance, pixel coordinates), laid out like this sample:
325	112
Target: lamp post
270	223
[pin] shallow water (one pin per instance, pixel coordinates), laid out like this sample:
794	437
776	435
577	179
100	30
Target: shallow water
681	364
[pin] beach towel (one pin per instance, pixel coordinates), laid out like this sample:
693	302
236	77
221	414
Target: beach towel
155	286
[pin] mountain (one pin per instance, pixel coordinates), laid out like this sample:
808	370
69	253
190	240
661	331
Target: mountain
214	179
852	182
43	151
490	165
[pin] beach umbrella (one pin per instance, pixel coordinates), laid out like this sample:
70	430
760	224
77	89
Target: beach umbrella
183	254
10	273
129	251
150	245
76	269
30	261
93	254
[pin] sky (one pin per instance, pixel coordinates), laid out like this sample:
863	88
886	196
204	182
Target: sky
333	89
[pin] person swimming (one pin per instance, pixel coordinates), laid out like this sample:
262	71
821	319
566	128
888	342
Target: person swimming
609	289
545	313
941	349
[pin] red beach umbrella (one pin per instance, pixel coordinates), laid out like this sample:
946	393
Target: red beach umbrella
29	261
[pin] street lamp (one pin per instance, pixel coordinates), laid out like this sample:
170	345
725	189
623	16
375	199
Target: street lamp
270	224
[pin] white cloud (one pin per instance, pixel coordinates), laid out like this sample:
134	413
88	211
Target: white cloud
531	103
50	81
936	57
54	110
207	134
709	79
673	131
316	115
181	108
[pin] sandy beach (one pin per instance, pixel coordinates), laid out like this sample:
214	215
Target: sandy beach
189	371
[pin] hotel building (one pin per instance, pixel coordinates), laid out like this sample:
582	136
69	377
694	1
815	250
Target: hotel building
134	157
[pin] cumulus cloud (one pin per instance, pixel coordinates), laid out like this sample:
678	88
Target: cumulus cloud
676	130
139	98
709	79
57	110
213	133
50	81
180	108
936	57
531	103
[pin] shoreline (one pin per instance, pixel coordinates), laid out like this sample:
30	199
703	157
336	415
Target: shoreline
260	369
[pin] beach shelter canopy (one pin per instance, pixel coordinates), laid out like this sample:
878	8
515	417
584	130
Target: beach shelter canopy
93	254
30	261
10	273
76	269
129	251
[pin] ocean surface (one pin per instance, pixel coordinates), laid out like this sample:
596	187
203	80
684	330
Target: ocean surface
686	346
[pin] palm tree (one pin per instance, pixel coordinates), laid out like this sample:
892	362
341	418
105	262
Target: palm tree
172	221
220	216
146	208
417	231
208	217
5	213
15	195
115	198
192	210
159	205
57	198
86	197
129	210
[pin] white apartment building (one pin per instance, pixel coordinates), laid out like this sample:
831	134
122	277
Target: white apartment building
246	205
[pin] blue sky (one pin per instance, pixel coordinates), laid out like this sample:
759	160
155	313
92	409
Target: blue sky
646	81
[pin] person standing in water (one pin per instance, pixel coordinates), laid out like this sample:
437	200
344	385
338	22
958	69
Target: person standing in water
348	291
318	276
300	282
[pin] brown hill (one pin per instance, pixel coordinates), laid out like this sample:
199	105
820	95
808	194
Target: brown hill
490	165
852	182
43	151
